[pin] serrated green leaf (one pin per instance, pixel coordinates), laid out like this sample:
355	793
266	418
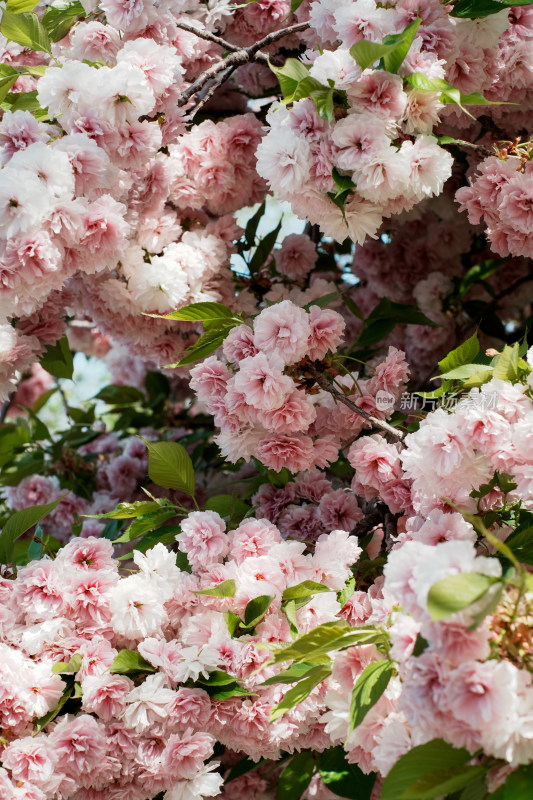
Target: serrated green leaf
506	365
120	395
58	360
59	18
304	589
129	661
170	466
256	609
20	522
26	30
129	510
292	674
453	594
66	667
302	690
368	688
198	312
207	343
18	6
418	762
392	50
464	354
296	776
145	524
223	589
41	723
289	75
443	782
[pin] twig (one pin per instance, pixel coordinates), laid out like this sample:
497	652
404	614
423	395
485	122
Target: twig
325	384
237	57
476	148
64	400
219	80
209	37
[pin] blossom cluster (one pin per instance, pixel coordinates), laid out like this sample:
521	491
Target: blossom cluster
501	194
257	397
147	728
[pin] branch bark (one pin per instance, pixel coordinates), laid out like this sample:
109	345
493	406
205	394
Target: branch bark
325	384
238	57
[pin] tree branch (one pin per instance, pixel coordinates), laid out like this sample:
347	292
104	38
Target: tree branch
475	148
209	37
325	384
238	57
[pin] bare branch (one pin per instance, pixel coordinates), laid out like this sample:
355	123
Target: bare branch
237	58
209	37
325	384
475	148
219	80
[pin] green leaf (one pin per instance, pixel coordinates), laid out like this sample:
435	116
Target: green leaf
57	359
418	762
292	674
228	506
129	661
289	75
328	637
521	543
296	776
343	779
368	688
198	312
252	225
478	273
385	316
401	42
60	17
41	723
448	93
217	678
223	589
344	183
464	354
26	30
302	690
170	466
518	784
443	782
128	510
506	365
256	609
244	766
206	344
475	9
120	395
264	248
17	6
392	50
145	523
8	76
70	667
20	522
304	589
453	594
466	372
295	5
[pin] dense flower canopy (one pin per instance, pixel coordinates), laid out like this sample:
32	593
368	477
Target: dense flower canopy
285	548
